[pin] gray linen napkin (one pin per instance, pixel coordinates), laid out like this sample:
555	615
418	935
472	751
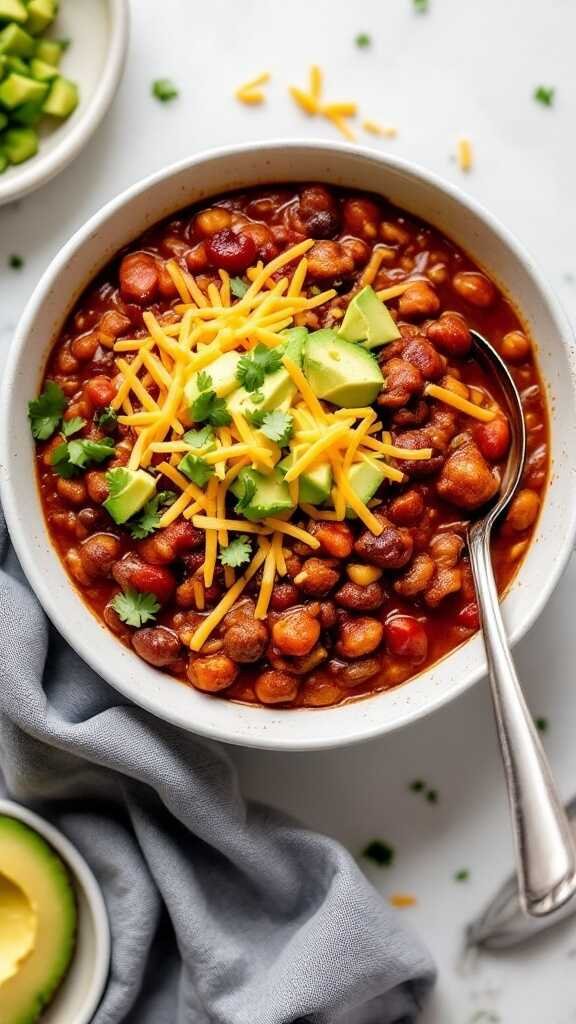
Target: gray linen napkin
222	912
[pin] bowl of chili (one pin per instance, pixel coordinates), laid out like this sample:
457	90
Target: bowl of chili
260	434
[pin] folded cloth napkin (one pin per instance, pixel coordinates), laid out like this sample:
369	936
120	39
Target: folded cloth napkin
221	910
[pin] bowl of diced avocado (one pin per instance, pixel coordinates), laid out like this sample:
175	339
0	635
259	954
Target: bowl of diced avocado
60	65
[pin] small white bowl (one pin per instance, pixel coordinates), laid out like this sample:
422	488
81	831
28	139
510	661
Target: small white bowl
98	31
81	991
122	220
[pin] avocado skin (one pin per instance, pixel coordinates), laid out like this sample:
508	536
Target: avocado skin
340	371
53	960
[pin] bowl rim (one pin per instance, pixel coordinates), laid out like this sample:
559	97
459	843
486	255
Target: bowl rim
85	879
264	738
42	168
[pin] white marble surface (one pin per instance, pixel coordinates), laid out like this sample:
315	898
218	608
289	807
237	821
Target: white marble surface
461	68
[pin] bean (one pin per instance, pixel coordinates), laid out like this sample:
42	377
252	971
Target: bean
317	577
359	636
210	221
211	673
96	486
157	645
493	439
67	362
360	599
230	251
422	354
284	595
356	672
406	638
295	632
391	550
197	258
523	510
71	491
99	553
417	576
100	391
320	690
474	288
336	539
245	641
515	347
407	508
84	348
418	301
276	687
361	218
363	575
328	260
394	233
450	333
138	278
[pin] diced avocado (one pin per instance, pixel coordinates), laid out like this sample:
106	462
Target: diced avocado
38	913
365	478
222	373
49	50
42	71
62	98
19	144
341	372
18	65
314	485
3	121
3	60
3	162
368	320
13	10
28	114
278	387
130	489
41	14
16	41
16	90
270	496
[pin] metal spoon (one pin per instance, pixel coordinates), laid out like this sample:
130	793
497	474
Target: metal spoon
545	851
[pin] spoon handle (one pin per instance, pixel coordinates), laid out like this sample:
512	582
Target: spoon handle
545	852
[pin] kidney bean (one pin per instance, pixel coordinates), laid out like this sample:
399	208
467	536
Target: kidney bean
450	333
295	632
83	349
153	579
493	439
407	508
418	301
424	357
361	218
474	288
403	381
446	549
276	687
417	576
197	258
336	539
114	622
357	250
406	638
391	550
317	577
360	599
96	486
100	391
465	479
99	553
328	260
445	582
211	673
72	491
245	640
168	544
359	636
284	595
138	278
351	674
230	251
523	510
157	645
113	324
75	565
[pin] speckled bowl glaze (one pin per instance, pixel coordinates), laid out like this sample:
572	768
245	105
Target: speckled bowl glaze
123	219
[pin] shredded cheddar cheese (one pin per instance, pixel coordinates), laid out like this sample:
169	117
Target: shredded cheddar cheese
460	403
387	131
310	102
464	154
250	93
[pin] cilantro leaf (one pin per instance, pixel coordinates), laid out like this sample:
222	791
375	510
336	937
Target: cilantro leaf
45	412
204	381
117	479
541	724
72	426
462	876
544	94
248	486
237	552
211	408
72	456
278	426
203	438
219	415
238	287
135	607
15	262
270	359
107	420
249	374
420	6
256	417
148	520
381	853
362	40
164	90
196	469
257	397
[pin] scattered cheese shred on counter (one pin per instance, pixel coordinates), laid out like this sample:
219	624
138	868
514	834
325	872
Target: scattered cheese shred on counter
464	154
386	131
310	101
402	900
250	93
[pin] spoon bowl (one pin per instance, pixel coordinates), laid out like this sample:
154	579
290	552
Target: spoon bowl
545	850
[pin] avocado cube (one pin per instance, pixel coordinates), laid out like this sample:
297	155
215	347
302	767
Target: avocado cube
3	162
62	98
368	321
17	89
19	144
130	489
41	14
49	50
18	65
342	372
13	10
28	114
270	495
41	71
14	40
3	121
3	59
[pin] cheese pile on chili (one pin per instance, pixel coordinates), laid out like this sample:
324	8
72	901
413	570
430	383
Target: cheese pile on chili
198	330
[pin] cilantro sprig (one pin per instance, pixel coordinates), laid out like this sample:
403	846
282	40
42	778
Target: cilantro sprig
363	40
163	89
381	853
71	427
208	406
544	94
148	520
237	552
135	608
107	420
196	469
278	426
45	412
70	457
254	367
203	438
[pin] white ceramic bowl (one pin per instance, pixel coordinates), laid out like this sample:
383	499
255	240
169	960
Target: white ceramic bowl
98	30
122	220
79	995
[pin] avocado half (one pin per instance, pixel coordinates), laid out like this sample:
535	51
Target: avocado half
48	906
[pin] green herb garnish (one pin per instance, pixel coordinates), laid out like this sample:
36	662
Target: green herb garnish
432	796
72	456
208	406
196	469
238	287
203	438
420	6
15	262
544	94
148	520
45	412
135	608
363	40
237	552
278	426
248	486
164	90
253	368
107	420
462	876
381	853
541	724
70	427
417	786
